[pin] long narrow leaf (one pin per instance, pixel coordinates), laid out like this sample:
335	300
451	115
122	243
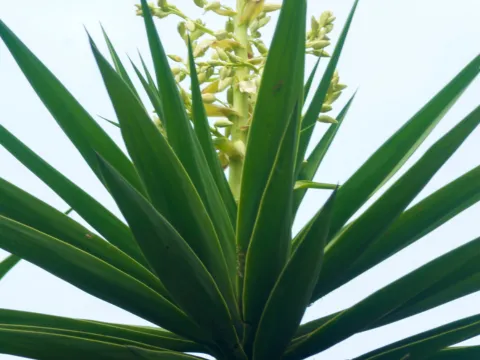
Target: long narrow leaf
172	259
315	107
202	130
87	136
391	156
368	312
8	264
265	218
346	248
94	276
186	145
458	353
168	185
310	168
309	83
280	86
117	62
94	213
96	330
422	346
291	294
48	346
22	207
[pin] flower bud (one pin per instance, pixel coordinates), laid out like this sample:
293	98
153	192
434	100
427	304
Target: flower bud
230	25
213	6
323	21
176	58
208	98
221	34
319	44
224	72
326	108
200	3
222	123
327	119
182	29
225	12
251	10
271	7
223	84
315	25
162	4
190	25
222	54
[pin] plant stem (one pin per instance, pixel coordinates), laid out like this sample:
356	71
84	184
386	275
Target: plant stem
240	103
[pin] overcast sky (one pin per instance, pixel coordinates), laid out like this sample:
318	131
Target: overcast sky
399	54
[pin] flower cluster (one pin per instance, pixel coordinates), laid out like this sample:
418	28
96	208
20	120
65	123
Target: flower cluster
230	63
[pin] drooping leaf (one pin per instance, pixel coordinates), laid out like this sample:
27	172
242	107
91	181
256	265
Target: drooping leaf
391	156
8	264
423	345
265	219
168	185
95	277
48	346
370	311
97	330
94	213
291	294
311	116
310	167
341	252
420	220
172	258
87	136
202	130
24	208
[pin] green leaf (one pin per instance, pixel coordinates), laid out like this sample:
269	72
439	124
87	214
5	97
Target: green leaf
291	294
341	252
265	219
87	136
168	185
423	345
310	168
172	259
22	207
280	86
117	62
311	77
95	330
8	264
391	156
366	314
94	213
418	221
304	184
110	121
151	92
48	346
183	140
311	116
458	353
94	276
202	130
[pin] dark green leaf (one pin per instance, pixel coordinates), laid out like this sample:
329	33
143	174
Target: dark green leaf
94	276
96	330
117	62
291	294
458	353
341	252
367	313
309	83
304	184
425	344
311	116
310	168
202	130
171	258
94	213
168	185
20	206
7	264
391	156
87	136
265	218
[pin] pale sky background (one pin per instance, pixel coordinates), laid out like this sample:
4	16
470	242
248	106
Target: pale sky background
399	54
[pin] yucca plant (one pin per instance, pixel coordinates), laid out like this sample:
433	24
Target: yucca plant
213	262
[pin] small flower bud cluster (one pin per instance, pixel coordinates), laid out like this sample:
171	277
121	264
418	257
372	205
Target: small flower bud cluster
317	37
217	59
333	94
